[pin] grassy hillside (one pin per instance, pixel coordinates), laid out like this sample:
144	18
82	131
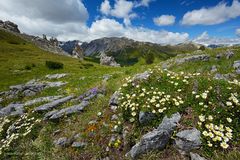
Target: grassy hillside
21	61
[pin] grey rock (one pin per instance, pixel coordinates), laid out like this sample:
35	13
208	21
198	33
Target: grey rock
62	142
213	69
106	77
219	56
158	138
193	58
229	54
113	108
69	110
1	100
79	144
195	156
224	76
114	99
12	109
114	117
236	66
53	104
56	76
10	26
142	76
188	140
49	114
108	61
55	84
41	99
146	117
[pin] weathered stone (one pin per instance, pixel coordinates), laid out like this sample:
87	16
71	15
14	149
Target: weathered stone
224	76
188	140
195	156
193	58
12	109
106	77
53	104
56	84
142	76
62	142
56	76
219	56
41	99
146	117
69	110
79	144
229	54
49	114
114	117
10	26
108	61
236	66
114	99
213	69
158	138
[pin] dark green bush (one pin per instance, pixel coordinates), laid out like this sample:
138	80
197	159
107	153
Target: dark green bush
54	65
149	59
202	48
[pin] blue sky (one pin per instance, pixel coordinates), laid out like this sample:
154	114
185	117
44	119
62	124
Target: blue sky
177	8
158	21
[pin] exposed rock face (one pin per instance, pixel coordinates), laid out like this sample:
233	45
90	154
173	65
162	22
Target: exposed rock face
236	66
31	88
158	138
79	144
195	156
114	99
10	26
69	110
53	104
146	117
63	142
78	52
141	76
56	76
224	76
90	94
229	54
41	99
108	61
213	69
12	109
194	58
188	140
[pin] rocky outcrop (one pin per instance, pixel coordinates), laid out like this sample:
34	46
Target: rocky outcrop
114	99
188	140
236	66
63	142
108	61
41	99
226	77
194	58
31	88
146	117
12	109
195	156
69	110
53	104
56	76
10	26
141	76
156	139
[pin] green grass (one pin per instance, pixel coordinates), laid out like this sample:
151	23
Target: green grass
21	61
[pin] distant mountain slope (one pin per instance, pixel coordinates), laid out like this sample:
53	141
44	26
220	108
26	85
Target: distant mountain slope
127	51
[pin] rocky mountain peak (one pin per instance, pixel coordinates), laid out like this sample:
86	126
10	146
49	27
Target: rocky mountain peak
10	26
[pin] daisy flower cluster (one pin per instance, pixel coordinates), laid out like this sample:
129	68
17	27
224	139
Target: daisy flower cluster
218	122
18	129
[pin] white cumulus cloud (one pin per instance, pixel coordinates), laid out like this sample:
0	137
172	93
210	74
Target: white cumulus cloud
214	15
205	39
144	3
238	32
112	28
164	20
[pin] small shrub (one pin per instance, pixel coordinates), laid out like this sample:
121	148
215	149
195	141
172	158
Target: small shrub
149	59
54	65
88	65
202	48
13	42
28	67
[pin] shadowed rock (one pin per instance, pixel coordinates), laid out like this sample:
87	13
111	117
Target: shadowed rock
156	139
114	99
53	104
12	109
195	156
146	117
69	110
188	140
